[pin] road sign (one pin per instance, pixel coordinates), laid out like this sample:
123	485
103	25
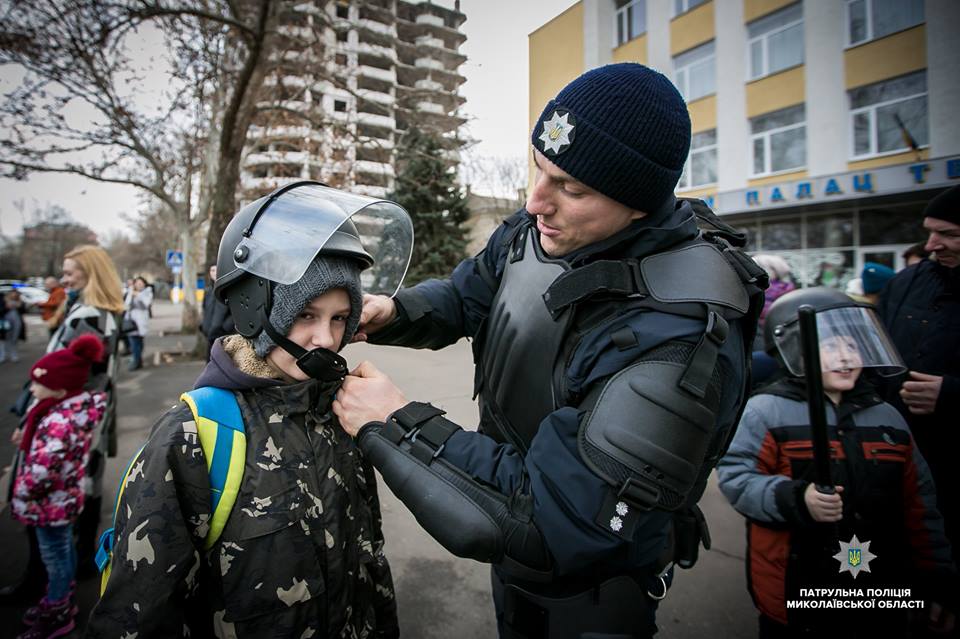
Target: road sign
174	258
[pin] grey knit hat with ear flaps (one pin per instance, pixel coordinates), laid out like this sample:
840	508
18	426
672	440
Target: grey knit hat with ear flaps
323	274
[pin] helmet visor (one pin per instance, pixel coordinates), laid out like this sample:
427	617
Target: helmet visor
293	227
851	337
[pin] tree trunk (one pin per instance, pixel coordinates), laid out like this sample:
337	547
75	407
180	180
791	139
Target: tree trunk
190	317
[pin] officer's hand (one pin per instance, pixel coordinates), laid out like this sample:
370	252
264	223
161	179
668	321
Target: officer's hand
940	620
823	508
16	436
378	311
367	395
920	392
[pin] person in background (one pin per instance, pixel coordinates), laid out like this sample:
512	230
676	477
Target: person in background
12	327
47	494
874	277
915	253
854	290
217	320
57	297
137	302
92	281
882	494
921	309
781	283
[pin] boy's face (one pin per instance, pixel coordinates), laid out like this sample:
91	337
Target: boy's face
42	392
321	324
840	363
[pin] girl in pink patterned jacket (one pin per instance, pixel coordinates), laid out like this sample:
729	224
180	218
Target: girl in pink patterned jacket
47	493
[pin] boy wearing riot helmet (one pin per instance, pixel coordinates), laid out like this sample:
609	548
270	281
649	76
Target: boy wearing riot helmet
287	541
883	493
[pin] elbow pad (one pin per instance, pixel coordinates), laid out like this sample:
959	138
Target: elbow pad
468	518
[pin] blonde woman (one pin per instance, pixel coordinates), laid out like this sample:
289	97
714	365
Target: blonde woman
96	308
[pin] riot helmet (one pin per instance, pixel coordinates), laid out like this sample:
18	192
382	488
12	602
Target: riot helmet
275	243
851	327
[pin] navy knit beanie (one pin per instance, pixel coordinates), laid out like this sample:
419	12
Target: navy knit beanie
621	129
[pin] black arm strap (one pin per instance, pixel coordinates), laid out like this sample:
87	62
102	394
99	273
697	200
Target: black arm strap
425	427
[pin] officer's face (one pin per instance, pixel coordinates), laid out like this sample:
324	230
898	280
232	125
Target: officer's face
320	324
944	241
571	215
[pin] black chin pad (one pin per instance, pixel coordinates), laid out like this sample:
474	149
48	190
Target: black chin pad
323	364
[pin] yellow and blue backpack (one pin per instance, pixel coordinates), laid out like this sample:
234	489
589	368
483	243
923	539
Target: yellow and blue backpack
224	443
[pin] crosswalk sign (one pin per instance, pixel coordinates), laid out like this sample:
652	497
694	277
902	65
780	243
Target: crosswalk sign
174	259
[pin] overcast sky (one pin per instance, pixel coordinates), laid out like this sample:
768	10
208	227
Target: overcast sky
496	93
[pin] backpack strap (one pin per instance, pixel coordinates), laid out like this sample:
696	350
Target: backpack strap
224	443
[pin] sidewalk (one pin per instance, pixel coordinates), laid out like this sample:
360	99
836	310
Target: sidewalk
164	336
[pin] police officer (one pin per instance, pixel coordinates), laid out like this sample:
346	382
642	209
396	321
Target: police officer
611	341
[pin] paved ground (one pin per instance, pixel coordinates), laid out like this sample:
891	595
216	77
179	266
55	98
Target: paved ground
439	595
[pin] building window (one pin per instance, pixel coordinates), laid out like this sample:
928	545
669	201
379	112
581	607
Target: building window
701	166
776	41
695	72
887	116
871	19
631	20
340	106
682	6
343	10
778	141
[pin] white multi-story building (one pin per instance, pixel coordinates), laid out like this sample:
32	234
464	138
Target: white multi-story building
820	127
362	71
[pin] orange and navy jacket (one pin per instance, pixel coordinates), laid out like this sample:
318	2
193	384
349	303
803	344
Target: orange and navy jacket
888	498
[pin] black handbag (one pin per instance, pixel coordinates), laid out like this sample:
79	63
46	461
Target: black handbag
128	326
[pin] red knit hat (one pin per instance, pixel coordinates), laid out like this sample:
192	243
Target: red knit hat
69	368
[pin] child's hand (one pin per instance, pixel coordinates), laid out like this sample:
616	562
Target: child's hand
16	436
823	508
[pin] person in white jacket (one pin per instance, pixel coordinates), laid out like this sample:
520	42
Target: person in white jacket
137	304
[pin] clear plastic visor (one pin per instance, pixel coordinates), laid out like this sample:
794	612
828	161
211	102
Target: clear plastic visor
851	337
294	227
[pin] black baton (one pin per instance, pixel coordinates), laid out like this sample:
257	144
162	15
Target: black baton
810	345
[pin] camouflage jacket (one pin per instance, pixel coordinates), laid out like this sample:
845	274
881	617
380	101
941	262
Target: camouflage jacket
301	554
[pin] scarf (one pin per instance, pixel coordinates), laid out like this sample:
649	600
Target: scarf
37	413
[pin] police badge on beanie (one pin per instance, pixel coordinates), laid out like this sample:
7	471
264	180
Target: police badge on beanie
621	129
324	273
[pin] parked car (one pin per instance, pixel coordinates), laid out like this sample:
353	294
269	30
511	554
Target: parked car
31	295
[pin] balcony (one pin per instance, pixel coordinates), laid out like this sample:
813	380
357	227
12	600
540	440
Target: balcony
370	191
376	96
276	157
377	50
430	107
377	27
387	75
429	18
429	41
429	85
266	184
378	168
429	63
377	120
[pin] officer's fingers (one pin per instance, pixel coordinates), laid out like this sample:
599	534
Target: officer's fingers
366	369
923	377
358	337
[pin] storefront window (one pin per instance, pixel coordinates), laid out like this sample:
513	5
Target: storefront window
781	235
830	230
892	225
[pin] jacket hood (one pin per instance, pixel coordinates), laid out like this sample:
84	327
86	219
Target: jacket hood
862	395
222	371
675	222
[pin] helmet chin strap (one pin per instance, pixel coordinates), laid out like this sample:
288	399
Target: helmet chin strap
320	363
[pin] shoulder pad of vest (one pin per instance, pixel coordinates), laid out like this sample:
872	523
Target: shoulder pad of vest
696	273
